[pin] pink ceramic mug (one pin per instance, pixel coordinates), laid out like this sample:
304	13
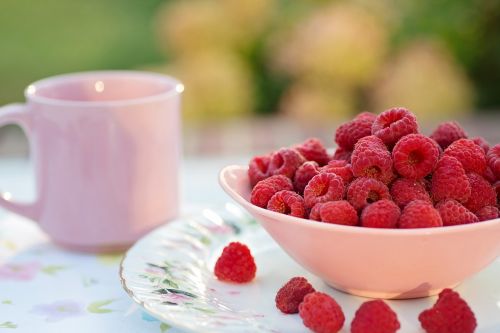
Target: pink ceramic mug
106	149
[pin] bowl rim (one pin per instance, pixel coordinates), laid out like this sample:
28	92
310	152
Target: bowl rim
233	193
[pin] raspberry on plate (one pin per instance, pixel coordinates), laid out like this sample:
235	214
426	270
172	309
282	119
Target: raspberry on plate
375	317
393	124
288	203
482	193
265	189
235	264
363	191
350	132
450	314
415	156
449	181
487	213
453	213
285	162
341	168
304	174
381	214
403	191
258	169
494	160
420	214
292	294
470	155
322	188
447	133
481	142
313	150
342	154
321	313
371	158
338	212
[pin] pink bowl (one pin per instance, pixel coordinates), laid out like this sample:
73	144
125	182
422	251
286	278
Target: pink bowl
378	263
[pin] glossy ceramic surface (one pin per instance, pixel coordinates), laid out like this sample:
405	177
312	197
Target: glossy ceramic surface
169	273
371	262
105	147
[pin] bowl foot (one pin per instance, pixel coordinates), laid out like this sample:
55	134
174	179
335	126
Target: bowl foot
424	290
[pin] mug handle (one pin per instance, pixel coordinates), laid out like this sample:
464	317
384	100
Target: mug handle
17	114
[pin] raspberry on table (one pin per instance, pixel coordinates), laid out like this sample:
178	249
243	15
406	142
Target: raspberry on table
454	213
341	168
258	169
375	317
285	162
470	155
363	191
342	154
304	174
449	181
404	190
482	193
487	213
371	158
338	212
494	160
321	313
313	150
450	314
415	156
314	214
420	214
393	124
381	214
322	188
265	189
481	142
235	264
448	132
350	132
292	294
288	203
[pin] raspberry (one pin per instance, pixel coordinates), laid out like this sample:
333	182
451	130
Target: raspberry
235	264
266	188
415	156
453	213
314	214
447	133
292	294
375	317
322	188
349	133
366	115
494	160
258	169
420	214
482	193
321	313
371	158
496	186
381	214
288	203
338	212
450	314
405	190
285	162
489	175
342	154
481	142
363	191
313	150
449	181
304	174
393	124
470	155
340	168
487	213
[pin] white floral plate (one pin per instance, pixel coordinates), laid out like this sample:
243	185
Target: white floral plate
169	273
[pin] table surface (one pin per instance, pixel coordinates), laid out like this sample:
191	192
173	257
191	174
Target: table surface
44	288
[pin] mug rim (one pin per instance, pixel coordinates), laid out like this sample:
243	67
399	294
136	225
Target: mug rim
175	88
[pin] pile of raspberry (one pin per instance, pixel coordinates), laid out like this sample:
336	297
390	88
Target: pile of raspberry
383	174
